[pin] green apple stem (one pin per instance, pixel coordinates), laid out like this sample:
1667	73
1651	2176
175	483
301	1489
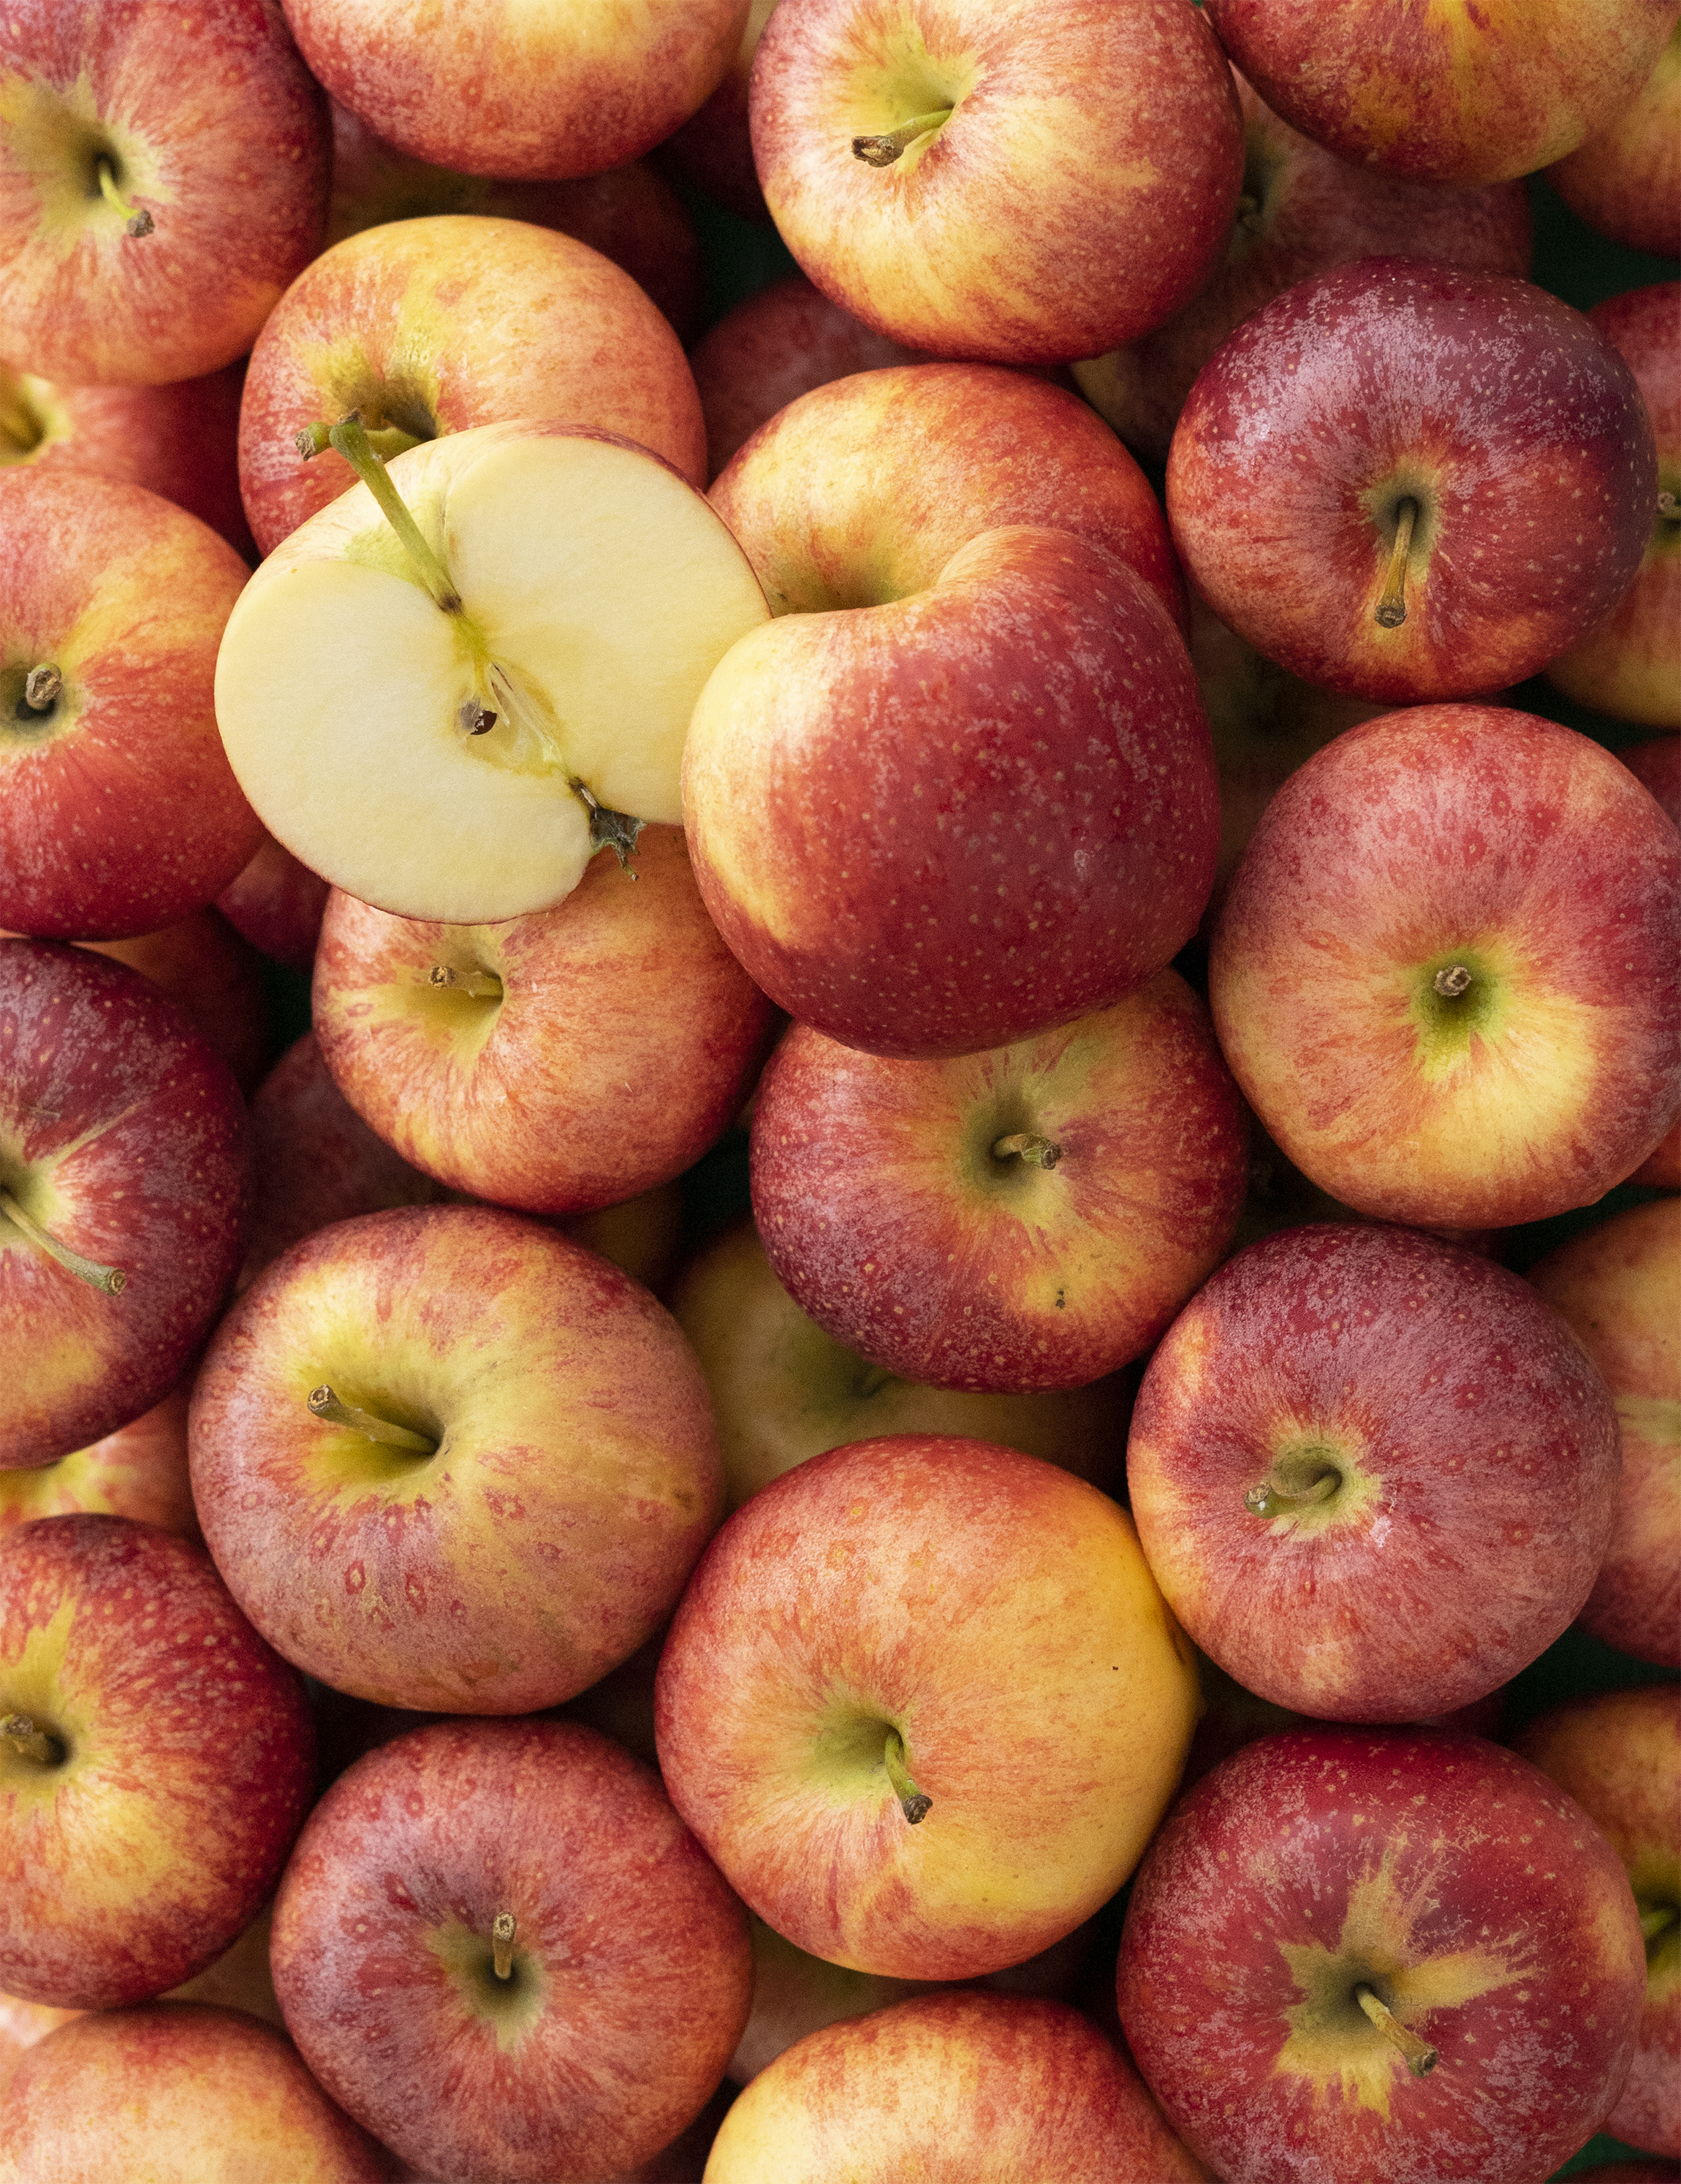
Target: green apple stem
348	439
1422	2057
882	151
30	1741
912	1802
1658	1918
326	1406
43	687
502	1944
137	220
1391	610
112	1281
1036	1151
1270	1499
480	985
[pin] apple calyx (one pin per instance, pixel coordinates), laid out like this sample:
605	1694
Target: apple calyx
1391	610
326	1406
502	1944
1034	1151
914	1803
111	1281
882	151
1422	2057
1270	1499
31	1741
136	221
478	985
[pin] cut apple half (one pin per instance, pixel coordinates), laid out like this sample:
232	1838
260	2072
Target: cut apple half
455	746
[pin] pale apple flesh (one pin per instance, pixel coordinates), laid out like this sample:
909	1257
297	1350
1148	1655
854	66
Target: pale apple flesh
597	591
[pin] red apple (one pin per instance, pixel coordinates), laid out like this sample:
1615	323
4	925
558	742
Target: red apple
157	190
276	903
1656	763
574	2045
156	1759
1373	1474
139	1471
714	146
1446	974
1625	181
1352	482
1401	1954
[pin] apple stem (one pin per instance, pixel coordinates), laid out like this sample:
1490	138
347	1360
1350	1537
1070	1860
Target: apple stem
112	1281
137	220
1422	2057
1669	509
348	438
882	151
326	1406
1269	1499
1451	982
1037	1152
502	1944
1391	610
482	985
912	1802
42	687
1658	1919
611	830
30	1742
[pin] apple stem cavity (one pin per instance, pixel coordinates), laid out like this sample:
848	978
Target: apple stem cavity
30	1741
1391	610
326	1406
480	985
914	1802
1269	1499
502	1944
43	687
1036	1151
348	439
18	424
1658	1918
111	1281
136	221
611	830
1452	981
882	151
1422	2057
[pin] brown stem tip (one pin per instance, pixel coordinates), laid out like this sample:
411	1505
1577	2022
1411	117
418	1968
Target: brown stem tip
324	1405
30	1741
882	151
915	1804
1391	610
112	1281
1452	982
1036	1151
502	1944
1422	2057
42	687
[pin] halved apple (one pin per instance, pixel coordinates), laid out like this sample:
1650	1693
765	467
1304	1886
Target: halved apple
455	743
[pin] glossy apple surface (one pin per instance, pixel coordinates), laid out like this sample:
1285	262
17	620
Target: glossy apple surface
1373	1475
1445	975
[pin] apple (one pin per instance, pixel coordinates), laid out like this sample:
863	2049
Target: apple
1618	1285
119	813
498	1947
156	1760
713	149
1445	974
447	1459
1396	1953
1629	663
958	177
122	1188
950	2086
546	92
429	326
1353	480
176	2089
1619	1754
276	904
1658	764
139	1471
556	1064
923	1705
784	1390
1625	181
1373	1474
1030	1218
1455	93
157	190
525	653
1302	211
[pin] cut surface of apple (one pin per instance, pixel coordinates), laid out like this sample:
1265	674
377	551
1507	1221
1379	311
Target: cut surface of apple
444	759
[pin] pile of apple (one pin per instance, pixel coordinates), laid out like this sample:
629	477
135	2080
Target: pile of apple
988	1666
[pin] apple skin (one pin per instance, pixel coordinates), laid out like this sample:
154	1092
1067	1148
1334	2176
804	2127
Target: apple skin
889	1219
951	2086
956	821
1618	1285
1629	664
1393	380
1658	765
1423	836
187	1763
123	1136
526	93
1302	211
1408	1860
1619	1754
631	1973
276	904
576	1483
995	235
428	327
1474	1448
622	1040
1460	93
177	2090
1626	181
139	1471
993	1610
121	813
